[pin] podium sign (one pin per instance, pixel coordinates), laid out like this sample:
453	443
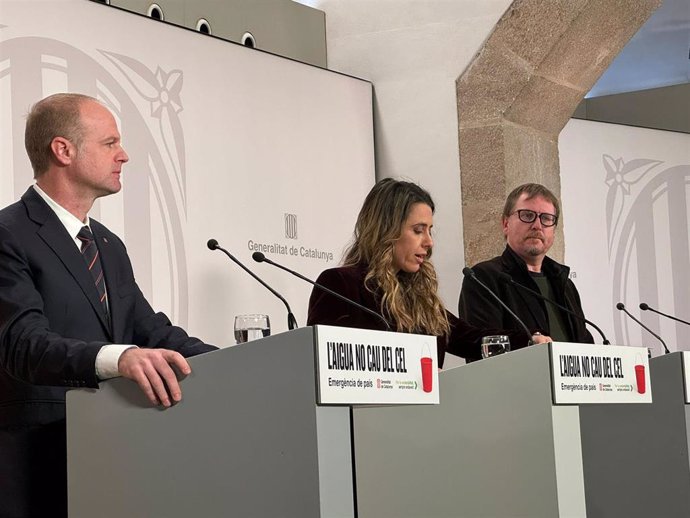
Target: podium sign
360	366
585	373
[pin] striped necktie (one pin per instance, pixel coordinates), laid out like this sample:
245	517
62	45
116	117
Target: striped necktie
89	252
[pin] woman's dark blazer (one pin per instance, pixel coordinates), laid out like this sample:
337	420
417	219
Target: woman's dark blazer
349	282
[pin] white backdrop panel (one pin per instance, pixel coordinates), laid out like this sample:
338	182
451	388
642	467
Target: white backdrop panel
225	142
626	223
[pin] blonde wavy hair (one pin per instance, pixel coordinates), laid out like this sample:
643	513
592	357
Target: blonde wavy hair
410	300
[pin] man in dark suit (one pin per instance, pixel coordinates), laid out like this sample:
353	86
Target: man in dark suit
530	216
71	313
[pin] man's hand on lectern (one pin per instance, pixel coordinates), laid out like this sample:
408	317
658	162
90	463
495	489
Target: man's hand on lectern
154	371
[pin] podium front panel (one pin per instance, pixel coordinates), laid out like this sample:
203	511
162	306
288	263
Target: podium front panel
247	440
495	446
636	460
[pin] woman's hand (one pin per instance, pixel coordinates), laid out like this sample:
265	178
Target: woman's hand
538	338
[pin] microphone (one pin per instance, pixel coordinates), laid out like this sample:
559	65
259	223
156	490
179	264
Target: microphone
261	258
212	244
468	272
620	306
645	307
508	279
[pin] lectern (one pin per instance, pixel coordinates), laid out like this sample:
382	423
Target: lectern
248	440
496	446
638	457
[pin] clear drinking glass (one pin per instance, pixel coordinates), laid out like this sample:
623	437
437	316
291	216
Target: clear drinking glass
251	327
494	345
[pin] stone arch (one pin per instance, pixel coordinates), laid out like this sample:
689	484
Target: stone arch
518	93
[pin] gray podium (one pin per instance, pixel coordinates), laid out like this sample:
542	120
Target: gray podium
496	446
247	440
642	462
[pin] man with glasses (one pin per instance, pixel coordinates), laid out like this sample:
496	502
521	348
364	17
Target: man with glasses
530	216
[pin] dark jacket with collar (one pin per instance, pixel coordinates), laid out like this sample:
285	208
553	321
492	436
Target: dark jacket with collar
52	326
464	339
478	308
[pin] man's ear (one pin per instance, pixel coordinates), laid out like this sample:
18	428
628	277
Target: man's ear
504	224
63	150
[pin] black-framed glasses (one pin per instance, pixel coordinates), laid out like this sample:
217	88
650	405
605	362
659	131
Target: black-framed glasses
528	216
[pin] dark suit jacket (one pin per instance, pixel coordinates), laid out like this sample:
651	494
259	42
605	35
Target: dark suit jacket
51	329
476	306
326	309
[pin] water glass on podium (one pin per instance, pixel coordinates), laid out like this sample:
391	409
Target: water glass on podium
494	345
251	327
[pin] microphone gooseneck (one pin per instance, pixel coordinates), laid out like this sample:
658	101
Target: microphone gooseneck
468	272
212	244
261	258
647	307
508	279
621	307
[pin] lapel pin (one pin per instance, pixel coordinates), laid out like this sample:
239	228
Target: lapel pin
105	239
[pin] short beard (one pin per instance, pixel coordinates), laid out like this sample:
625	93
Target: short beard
533	251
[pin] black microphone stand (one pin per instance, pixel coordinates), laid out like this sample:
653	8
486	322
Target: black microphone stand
507	278
261	258
620	306
292	321
468	272
647	307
